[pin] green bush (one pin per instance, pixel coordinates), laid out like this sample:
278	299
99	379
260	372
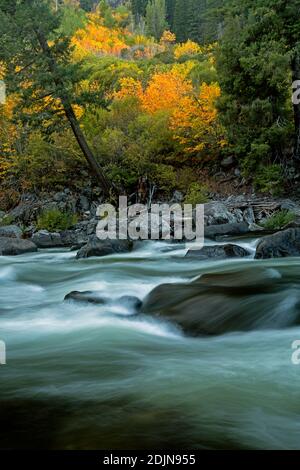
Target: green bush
54	220
6	220
279	220
196	194
269	179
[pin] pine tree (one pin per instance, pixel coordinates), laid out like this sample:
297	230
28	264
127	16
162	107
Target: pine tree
260	43
170	5
156	18
139	7
180	20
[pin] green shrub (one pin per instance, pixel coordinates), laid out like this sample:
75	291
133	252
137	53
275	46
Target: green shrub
196	194
279	220
54	220
6	220
269	179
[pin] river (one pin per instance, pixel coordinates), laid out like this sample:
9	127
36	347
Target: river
84	376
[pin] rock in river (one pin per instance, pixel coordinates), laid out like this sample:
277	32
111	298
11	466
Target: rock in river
279	245
45	239
215	304
15	246
218	252
214	231
94	297
96	247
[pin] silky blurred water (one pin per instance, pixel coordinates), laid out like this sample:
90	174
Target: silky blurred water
84	376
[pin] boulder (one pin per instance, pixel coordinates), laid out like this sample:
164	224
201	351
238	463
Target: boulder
217	213
45	239
279	245
214	231
26	210
218	252
216	304
15	246
96	247
73	238
11	231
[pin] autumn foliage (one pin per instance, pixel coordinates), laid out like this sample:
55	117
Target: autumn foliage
193	115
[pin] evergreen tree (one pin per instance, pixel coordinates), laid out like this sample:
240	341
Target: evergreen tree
170	5
180	20
88	5
139	7
156	18
260	44
38	65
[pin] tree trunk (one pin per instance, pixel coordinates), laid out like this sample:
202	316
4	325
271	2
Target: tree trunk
69	112
296	77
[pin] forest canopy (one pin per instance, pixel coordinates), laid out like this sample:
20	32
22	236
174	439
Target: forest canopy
164	88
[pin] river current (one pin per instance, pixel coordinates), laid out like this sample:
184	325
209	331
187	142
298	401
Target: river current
84	376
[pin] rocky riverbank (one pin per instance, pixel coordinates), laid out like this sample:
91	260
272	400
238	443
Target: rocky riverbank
230	217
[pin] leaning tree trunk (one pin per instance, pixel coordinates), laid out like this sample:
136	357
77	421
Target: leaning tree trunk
296	106
69	112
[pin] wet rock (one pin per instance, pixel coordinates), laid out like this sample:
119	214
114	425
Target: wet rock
216	304
87	296
218	252
11	231
96	247
16	246
214	231
128	301
279	245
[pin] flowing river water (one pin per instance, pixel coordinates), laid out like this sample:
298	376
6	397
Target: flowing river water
84	376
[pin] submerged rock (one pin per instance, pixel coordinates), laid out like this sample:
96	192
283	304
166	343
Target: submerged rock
96	247
87	296
215	304
15	246
131	302
219	252
279	245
